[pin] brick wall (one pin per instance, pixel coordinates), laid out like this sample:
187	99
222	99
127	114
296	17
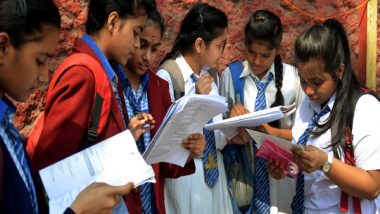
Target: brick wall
238	11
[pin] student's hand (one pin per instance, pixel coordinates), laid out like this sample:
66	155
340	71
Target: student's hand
238	109
204	84
99	198
141	123
276	170
310	158
242	138
196	144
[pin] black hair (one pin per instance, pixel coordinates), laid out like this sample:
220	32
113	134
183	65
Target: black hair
155	17
328	43
202	21
21	19
264	26
99	10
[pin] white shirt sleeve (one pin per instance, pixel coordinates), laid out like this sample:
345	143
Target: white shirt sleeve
366	133
166	76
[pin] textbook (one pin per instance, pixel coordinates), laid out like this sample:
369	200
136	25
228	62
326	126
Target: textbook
229	126
186	116
115	161
277	149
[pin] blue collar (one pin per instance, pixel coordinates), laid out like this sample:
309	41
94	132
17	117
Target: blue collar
6	107
103	59
126	83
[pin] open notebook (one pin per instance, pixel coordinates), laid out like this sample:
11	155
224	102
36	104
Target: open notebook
115	161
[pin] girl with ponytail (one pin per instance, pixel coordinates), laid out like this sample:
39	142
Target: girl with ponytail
337	124
199	44
261	77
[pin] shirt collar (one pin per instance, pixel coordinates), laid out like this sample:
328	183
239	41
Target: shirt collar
186	69
103	59
124	79
317	108
6	107
247	70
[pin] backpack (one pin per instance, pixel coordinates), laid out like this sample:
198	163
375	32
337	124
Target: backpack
102	99
176	75
238	159
349	159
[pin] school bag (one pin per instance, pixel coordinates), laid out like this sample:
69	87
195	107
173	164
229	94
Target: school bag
102	99
349	158
238	159
176	76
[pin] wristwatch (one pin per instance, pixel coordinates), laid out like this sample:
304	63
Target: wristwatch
326	167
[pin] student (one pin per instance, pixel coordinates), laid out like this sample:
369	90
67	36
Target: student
260	82
335	114
112	32
28	38
146	92
199	44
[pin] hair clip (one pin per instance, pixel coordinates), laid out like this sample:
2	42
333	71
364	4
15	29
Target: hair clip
23	8
259	18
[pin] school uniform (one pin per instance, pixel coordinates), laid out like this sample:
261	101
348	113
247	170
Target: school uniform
67	112
321	195
281	192
152	97
191	194
17	181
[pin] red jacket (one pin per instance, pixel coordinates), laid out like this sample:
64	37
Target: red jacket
68	110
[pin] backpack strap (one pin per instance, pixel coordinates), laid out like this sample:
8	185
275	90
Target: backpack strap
215	75
236	68
349	159
175	73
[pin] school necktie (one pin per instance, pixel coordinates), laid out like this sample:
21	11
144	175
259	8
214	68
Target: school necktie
20	153
261	196
298	200
209	158
145	189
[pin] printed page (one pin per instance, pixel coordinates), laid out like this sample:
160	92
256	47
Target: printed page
253	119
190	116
115	161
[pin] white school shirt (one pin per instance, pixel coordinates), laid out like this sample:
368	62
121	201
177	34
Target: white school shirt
186	70
190	194
291	89
281	191
321	194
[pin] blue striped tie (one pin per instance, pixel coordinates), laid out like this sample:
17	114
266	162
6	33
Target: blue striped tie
298	200
209	158
145	189
20	153
261	197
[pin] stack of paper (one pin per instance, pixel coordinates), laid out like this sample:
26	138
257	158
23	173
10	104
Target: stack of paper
229	126
186	116
115	161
